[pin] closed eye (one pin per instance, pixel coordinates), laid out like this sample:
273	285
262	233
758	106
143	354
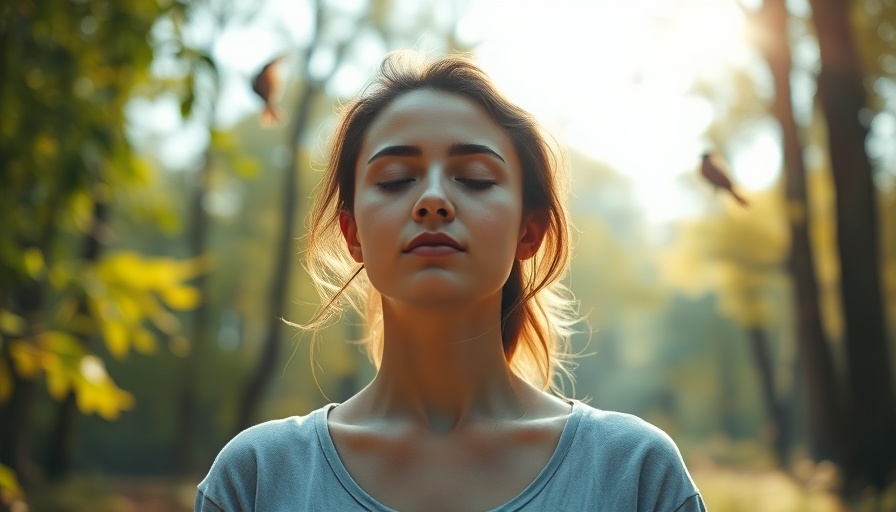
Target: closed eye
476	184
394	185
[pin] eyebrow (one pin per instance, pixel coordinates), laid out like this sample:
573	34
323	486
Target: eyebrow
457	149
396	151
473	149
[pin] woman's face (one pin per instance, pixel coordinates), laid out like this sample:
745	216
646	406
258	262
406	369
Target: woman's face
438	212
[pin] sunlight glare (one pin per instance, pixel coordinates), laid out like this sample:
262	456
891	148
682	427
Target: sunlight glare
705	36
615	80
757	158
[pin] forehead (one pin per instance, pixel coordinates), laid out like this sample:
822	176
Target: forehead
427	116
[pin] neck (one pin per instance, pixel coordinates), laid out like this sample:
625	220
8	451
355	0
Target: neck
444	366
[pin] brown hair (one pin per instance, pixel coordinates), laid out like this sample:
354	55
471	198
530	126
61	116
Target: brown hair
537	309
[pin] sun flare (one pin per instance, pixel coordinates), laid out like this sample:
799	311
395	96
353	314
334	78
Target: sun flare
616	80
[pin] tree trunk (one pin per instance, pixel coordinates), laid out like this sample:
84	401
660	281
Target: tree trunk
189	390
872	454
16	418
63	439
311	89
63	436
17	415
824	398
270	350
728	389
778	415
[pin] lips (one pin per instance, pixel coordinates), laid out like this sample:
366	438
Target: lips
433	240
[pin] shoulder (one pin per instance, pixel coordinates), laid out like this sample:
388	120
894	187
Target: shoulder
639	461
622	432
268	440
259	454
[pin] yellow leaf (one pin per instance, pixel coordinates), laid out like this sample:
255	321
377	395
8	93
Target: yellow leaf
11	323
119	400
25	358
33	259
81	210
165	273
181	297
120	267
58	384
103	398
62	343
85	398
144	342
9	483
141	170
115	335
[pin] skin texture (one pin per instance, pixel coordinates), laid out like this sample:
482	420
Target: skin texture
444	415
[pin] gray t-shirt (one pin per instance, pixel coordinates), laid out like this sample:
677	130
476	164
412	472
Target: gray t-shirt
604	461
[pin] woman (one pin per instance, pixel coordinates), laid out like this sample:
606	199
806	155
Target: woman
441	218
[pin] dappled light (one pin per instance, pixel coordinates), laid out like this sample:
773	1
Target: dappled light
158	162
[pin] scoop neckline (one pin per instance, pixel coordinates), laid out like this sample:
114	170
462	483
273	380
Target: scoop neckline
526	495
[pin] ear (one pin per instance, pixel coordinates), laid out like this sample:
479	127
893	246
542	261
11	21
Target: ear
532	232
350	233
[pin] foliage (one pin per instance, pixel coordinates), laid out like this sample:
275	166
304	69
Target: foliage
65	157
738	255
125	293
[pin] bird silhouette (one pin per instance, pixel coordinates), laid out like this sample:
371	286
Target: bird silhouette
715	172
267	85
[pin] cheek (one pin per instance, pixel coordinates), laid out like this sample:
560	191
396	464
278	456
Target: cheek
498	227
376	224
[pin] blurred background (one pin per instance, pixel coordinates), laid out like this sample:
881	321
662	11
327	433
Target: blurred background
158	157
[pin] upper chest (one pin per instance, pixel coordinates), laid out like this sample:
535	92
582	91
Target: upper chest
476	471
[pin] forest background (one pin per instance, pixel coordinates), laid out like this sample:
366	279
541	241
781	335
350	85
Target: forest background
151	228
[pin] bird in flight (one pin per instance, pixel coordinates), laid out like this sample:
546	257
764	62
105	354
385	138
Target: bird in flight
716	173
266	84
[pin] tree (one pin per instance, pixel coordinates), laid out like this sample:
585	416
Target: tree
64	153
310	89
824	400
199	88
870	450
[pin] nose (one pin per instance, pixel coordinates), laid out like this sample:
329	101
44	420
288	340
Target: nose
434	202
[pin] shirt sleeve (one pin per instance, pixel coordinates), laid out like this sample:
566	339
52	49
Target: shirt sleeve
646	470
204	504
692	504
664	483
230	484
